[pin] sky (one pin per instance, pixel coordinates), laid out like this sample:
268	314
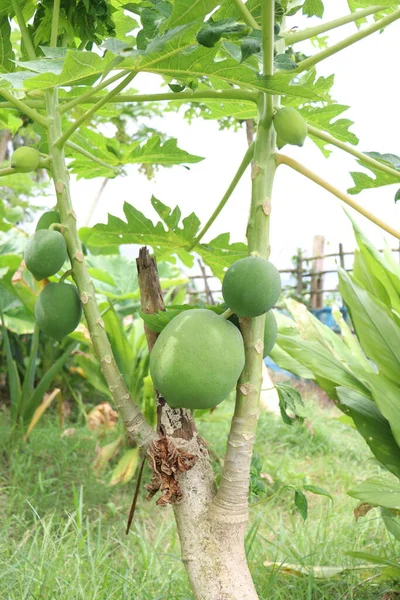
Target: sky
366	79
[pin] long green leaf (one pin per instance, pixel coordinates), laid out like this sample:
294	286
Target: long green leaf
376	328
379	491
13	377
29	379
374	428
47	379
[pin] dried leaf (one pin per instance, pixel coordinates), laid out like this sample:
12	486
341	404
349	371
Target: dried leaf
362	509
167	461
106	453
126	467
102	416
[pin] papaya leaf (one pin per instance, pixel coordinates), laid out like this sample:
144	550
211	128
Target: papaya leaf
7	55
187	11
313	8
156	152
363	181
325	118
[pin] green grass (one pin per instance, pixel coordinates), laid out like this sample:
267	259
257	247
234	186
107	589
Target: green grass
62	528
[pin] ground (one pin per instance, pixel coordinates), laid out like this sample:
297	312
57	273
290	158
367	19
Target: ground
62	527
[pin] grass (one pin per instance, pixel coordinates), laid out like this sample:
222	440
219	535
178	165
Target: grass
62	527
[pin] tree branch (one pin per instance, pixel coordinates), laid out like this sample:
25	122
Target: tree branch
238	175
65	136
137	427
327	137
282	159
24	108
299	36
87	98
352	39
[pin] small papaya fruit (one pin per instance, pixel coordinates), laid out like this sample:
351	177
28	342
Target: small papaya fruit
58	309
251	286
45	253
270	332
47	219
197	359
25	159
290	126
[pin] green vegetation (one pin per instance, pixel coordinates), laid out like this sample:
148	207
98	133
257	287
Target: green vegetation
58	309
62	527
47	219
45	253
251	286
197	359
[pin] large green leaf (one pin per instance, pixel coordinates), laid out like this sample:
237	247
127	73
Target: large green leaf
387	397
379	491
186	11
363	181
376	328
166	241
374	428
6	52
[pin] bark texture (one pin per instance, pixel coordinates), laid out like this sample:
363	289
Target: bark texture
212	547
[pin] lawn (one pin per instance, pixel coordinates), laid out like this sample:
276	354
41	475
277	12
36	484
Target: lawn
62	528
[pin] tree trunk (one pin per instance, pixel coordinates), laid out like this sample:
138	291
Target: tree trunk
212	547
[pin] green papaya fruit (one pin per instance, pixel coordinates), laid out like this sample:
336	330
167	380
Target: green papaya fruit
47	219
25	159
251	286
45	253
270	333
197	359
58	309
279	142
290	126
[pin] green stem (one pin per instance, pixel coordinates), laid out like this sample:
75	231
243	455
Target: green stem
29	103
30	50
282	159
137	427
24	108
65	136
92	157
242	168
327	137
310	32
87	97
7	171
231	501
246	14
168	96
65	275
352	39
268	39
227	313
54	23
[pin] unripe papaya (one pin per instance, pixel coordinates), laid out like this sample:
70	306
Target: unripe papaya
290	126
251	286
47	219
45	253
270	332
58	309
197	359
25	159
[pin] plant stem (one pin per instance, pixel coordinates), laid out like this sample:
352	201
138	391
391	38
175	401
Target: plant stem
89	155
327	137
226	314
7	171
137	427
310	32
65	275
282	159
180	97
231	501
64	137
352	39
30	50
85	98
246	14
242	168
24	108
54	23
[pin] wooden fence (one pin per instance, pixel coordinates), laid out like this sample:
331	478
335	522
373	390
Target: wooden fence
308	274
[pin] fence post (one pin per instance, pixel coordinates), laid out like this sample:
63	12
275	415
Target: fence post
341	256
209	295
317	300
299	273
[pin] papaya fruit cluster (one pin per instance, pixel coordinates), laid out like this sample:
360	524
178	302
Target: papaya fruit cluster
58	308
198	357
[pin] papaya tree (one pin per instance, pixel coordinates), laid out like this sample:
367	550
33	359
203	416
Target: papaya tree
71	61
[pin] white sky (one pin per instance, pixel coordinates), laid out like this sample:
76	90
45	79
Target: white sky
366	78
